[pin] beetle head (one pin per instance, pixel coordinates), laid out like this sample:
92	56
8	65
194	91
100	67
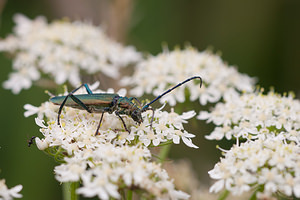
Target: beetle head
136	115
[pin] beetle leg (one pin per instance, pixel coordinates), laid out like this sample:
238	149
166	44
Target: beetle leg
88	90
60	109
117	113
108	109
97	131
75	99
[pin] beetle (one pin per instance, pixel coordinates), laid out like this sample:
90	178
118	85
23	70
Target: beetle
107	102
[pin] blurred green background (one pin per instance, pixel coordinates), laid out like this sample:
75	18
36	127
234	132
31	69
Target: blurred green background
261	38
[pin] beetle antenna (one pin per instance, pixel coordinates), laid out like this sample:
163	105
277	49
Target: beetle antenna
166	92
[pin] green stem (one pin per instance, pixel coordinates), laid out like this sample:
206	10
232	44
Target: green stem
69	190
253	196
163	154
129	195
224	195
259	188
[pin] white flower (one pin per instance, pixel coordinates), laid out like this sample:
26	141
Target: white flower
108	169
41	144
291	185
255	164
21	79
255	115
61	50
158	73
270	178
30	110
166	126
185	136
97	184
9	194
70	172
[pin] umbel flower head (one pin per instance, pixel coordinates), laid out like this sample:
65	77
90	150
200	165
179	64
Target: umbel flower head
157	73
268	167
255	115
109	169
114	159
77	130
61	50
9	194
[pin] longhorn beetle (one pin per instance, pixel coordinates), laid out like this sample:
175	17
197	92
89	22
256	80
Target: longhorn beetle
105	102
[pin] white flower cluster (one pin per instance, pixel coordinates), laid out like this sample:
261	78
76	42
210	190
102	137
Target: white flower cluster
78	128
9	194
157	73
108	169
114	157
61	50
268	166
255	115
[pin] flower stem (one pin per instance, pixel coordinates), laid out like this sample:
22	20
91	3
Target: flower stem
163	154
69	190
129	195
224	195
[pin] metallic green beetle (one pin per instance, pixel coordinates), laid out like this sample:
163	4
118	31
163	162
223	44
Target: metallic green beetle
106	102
